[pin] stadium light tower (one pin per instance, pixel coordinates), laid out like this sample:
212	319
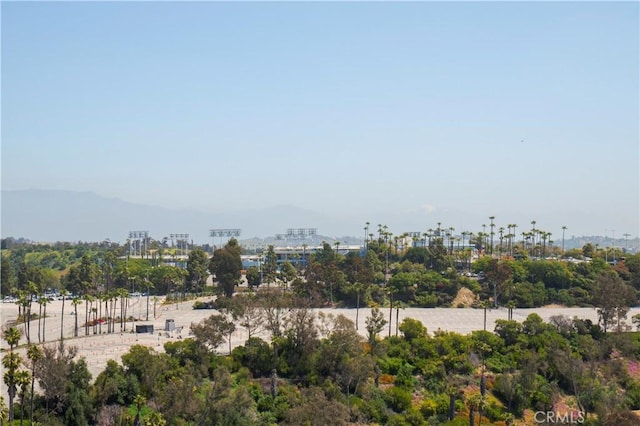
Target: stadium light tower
228	233
141	240
182	242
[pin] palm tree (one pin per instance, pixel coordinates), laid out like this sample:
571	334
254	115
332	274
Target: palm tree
11	362
533	236
476	403
64	294
34	354
88	301
453	390
139	401
513	236
4	412
94	311
44	302
40	302
12	337
366	231
32	293
124	300
75	302
304	258
105	297
484	235
99	300
511	305
485	305
491	226
23	379
564	228
390	307
546	238
114	305
450	237
24	301
155	301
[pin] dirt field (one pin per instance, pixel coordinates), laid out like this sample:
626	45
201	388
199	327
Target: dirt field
98	348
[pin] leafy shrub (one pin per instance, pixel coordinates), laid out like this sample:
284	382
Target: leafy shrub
390	365
428	407
398	399
204	305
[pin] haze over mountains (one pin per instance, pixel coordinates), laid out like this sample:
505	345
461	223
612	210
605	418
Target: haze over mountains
48	215
54	215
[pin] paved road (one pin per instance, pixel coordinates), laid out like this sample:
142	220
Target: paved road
99	348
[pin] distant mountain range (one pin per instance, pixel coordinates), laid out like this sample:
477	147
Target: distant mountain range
51	215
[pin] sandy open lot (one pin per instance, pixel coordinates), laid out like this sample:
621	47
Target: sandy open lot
99	348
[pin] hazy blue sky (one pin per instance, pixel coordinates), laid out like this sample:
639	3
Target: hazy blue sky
405	114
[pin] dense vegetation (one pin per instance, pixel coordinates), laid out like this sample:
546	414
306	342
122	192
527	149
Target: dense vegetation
314	370
409	275
320	371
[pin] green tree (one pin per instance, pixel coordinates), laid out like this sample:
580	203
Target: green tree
226	405
226	265
612	298
323	276
167	279
276	306
314	408
78	406
300	342
179	401
7	276
374	325
197	270
438	260
53	371
114	386
287	273
270	265
412	329
248	313
81	278
498	273
588	250
212	331
253	277
148	367
28	274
